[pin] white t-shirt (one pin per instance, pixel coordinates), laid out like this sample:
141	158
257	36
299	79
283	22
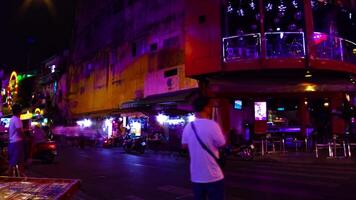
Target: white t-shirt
14	135
203	167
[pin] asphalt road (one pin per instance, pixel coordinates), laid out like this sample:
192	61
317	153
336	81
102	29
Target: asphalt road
113	174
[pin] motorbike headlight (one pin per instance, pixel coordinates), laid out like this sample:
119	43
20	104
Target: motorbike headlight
143	143
252	146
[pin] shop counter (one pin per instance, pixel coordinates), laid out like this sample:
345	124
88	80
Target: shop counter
18	188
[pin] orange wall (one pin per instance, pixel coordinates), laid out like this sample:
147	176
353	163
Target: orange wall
202	37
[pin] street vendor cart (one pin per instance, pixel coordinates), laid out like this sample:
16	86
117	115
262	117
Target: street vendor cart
26	188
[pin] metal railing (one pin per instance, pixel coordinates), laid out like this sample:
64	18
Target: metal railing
288	45
334	48
285	44
242	47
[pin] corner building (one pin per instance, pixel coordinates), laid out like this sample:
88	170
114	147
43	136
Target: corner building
276	67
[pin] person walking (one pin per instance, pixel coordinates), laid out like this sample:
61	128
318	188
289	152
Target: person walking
16	150
206	175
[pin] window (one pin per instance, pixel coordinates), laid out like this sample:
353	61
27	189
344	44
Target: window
171	72
88	69
172	42
284	16
134	49
201	19
153	47
242	17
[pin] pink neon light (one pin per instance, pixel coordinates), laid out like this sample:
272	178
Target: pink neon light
319	37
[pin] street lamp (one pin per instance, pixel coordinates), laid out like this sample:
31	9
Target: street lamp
48	3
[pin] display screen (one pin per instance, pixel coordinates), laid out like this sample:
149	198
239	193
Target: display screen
238	104
6	122
260	111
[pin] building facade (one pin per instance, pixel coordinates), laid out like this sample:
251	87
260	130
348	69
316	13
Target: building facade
271	66
275	66
52	90
124	51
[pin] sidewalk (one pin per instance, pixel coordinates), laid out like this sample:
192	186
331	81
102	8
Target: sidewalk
304	157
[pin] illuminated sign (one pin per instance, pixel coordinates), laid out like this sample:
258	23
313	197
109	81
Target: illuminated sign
280	109
260	111
38	111
26	116
136	128
238	104
12	89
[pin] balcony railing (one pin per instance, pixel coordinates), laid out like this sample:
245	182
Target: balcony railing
285	44
334	48
288	45
242	47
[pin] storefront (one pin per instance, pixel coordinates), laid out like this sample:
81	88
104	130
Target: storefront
300	117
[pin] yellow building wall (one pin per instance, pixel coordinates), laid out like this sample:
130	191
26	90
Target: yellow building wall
131	82
91	97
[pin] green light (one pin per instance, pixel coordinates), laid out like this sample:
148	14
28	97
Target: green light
20	77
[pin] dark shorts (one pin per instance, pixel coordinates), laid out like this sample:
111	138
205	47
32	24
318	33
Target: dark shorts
211	191
16	153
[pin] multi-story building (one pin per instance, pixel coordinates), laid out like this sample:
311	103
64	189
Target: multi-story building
125	54
52	91
290	63
280	66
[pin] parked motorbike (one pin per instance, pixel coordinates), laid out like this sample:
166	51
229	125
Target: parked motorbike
137	144
45	151
113	142
242	152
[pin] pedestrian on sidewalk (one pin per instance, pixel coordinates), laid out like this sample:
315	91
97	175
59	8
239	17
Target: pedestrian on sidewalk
206	175
16	151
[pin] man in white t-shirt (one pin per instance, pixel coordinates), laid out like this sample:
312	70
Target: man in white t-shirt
206	175
16	150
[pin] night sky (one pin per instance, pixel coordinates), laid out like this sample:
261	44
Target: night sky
33	30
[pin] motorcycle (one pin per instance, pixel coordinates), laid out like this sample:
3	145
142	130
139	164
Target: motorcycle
45	151
113	142
242	152
134	144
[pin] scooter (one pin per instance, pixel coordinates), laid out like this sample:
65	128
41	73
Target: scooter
45	151
134	144
242	152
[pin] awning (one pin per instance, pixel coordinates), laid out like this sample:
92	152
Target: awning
177	100
177	97
95	114
134	106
